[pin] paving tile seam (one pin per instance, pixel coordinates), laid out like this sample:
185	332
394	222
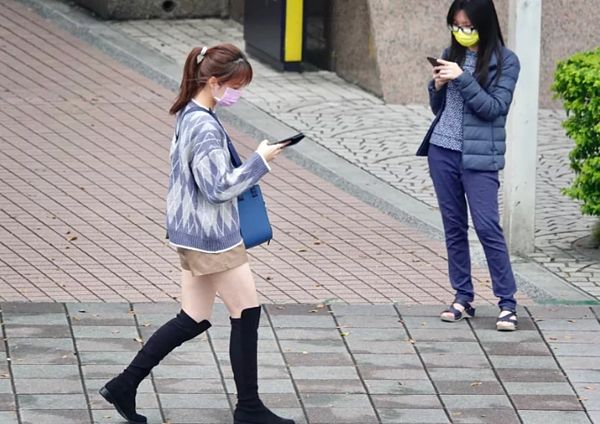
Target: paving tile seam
287	367
495	371
374	257
66	224
221	374
10	370
25	260
86	394
151	376
356	367
58	250
124	245
423	364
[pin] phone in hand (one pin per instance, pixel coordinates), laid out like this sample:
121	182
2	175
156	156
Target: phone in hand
295	139
434	61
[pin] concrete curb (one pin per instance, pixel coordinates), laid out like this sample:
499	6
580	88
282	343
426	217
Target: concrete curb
532	279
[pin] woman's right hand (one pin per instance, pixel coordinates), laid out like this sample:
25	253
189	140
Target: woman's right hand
269	152
439	81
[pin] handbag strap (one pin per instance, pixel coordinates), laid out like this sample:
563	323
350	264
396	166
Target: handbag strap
235	157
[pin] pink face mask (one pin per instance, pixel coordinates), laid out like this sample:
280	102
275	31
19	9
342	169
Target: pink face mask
230	97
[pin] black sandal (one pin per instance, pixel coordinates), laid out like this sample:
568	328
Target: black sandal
468	312
507	318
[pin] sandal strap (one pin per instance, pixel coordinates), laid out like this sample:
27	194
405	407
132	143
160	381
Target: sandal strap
457	314
507	317
468	308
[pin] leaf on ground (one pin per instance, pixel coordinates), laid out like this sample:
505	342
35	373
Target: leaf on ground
320	305
280	307
590	387
139	340
65	356
133	313
400	383
568	337
341	326
313	311
5	375
300	250
477	383
582	399
72	238
146	324
287	349
552	338
573	320
318	285
344	334
318	243
116	332
76	318
304	352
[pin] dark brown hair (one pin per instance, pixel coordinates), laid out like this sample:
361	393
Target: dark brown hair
225	62
483	16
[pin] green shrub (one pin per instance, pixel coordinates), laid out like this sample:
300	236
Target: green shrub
577	84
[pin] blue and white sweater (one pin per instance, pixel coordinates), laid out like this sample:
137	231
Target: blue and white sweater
448	133
202	210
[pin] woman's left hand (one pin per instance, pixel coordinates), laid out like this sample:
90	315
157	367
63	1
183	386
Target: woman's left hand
449	70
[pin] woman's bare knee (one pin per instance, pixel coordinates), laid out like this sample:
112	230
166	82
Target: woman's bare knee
197	296
237	289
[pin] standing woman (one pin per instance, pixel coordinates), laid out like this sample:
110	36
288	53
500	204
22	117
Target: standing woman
470	94
203	224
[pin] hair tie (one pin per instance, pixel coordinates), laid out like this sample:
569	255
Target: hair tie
201	55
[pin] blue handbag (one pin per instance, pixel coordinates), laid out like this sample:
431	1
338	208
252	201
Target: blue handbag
254	220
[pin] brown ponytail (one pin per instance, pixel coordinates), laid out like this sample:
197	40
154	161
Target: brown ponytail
225	62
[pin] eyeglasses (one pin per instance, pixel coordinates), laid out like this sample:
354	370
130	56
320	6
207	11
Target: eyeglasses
467	31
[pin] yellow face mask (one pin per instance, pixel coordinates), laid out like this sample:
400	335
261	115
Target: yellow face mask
466	40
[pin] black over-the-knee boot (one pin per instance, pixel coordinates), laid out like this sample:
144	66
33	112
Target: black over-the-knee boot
121	390
243	351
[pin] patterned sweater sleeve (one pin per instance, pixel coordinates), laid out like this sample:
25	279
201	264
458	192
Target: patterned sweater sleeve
212	170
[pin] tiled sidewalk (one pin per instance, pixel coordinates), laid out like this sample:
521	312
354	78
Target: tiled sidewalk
382	138
323	364
84	146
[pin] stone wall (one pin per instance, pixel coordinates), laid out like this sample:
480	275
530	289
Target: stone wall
406	31
354	56
163	9
236	10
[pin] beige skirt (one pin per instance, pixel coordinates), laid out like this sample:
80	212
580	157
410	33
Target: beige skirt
202	263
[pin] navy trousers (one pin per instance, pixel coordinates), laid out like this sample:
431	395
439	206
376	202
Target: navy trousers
455	187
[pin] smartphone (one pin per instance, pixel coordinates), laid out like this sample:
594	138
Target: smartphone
433	60
295	139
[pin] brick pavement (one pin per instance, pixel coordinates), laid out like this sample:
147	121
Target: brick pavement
355	364
84	146
382	138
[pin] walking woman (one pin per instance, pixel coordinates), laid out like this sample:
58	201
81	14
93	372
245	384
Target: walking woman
470	94
203	224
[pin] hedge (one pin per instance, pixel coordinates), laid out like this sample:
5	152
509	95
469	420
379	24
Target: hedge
577	84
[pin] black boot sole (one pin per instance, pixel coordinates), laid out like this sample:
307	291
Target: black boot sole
106	395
